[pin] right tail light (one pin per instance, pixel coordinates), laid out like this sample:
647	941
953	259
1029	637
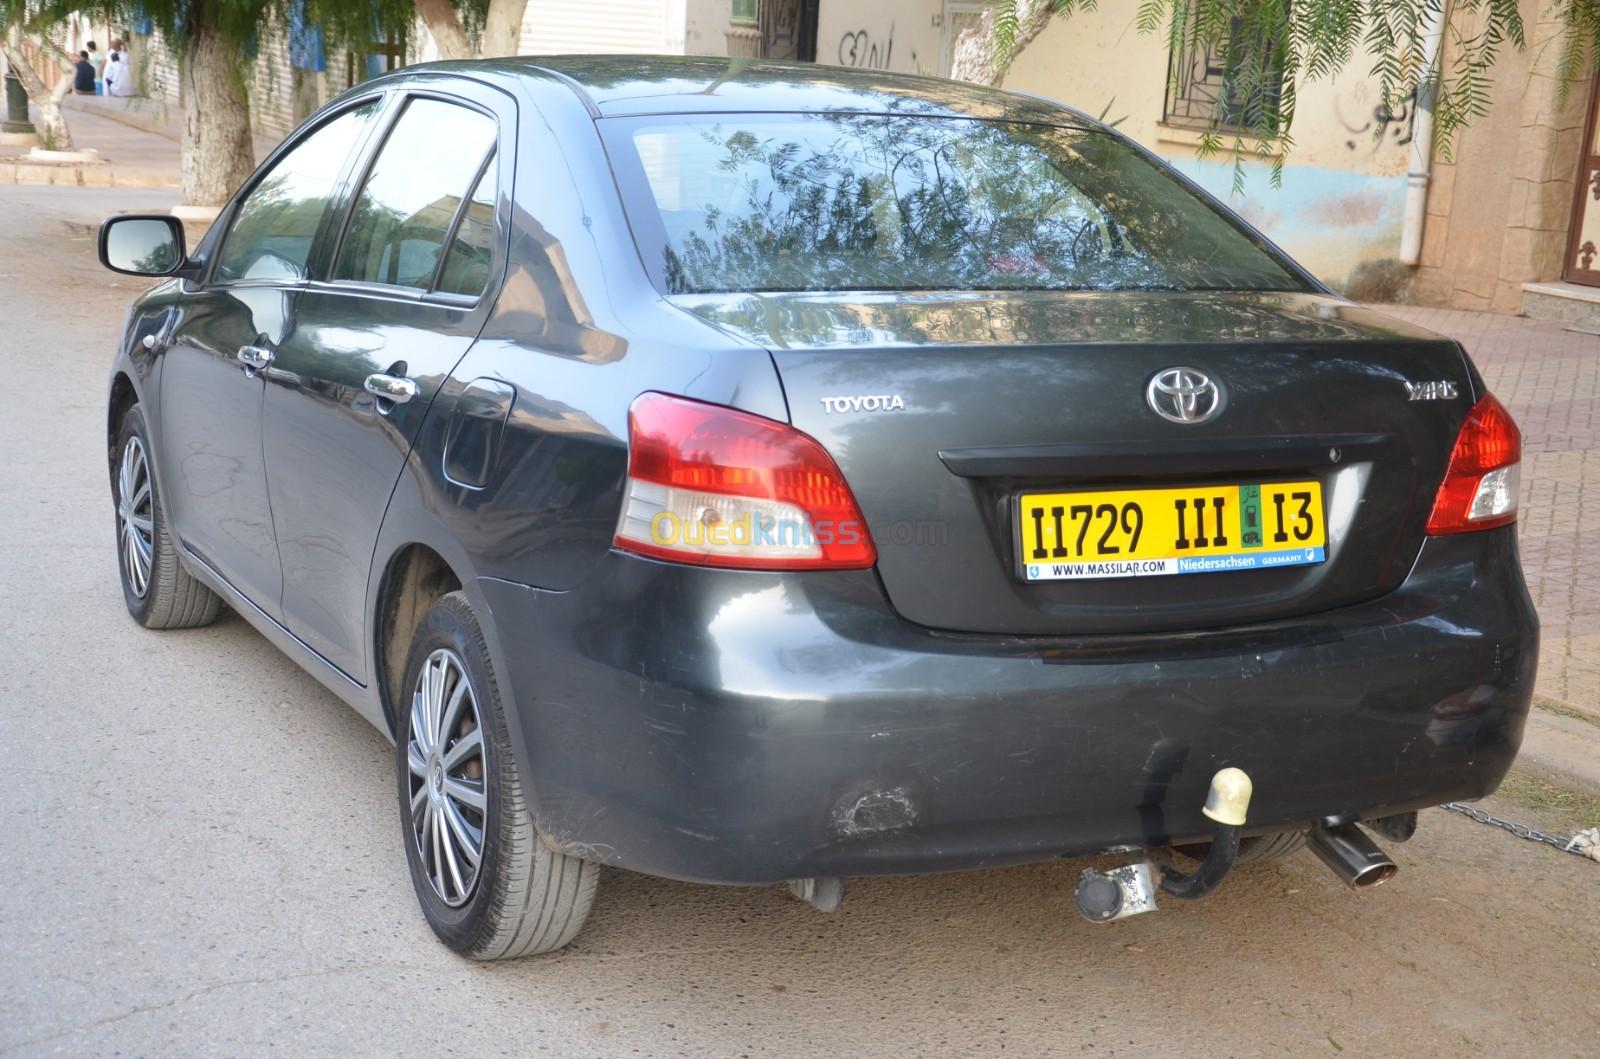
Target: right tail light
1479	490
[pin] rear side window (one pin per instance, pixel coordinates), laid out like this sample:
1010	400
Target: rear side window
839	201
414	195
466	266
276	223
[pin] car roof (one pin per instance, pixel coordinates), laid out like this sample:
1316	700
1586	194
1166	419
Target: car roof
623	85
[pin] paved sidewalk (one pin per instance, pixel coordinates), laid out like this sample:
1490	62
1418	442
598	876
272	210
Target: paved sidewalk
137	139
156	117
129	157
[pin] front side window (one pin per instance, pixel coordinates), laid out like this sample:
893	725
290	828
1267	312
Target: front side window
275	225
813	202
414	194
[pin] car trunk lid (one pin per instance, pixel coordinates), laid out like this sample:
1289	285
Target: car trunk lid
942	409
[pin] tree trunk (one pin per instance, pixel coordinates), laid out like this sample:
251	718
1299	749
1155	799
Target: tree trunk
53	132
974	56
502	27
218	150
442	22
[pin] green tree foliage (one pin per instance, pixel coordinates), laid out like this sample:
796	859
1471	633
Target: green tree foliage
239	22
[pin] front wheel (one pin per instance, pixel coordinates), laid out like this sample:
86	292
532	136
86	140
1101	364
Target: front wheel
159	592
488	886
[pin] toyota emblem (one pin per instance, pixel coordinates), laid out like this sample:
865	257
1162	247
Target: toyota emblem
1183	395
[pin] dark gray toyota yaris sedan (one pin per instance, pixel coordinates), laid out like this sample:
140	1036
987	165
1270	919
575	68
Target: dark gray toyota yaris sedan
747	473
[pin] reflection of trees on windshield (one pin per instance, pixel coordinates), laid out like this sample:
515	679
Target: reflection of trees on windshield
161	259
385	245
853	201
278	221
275	224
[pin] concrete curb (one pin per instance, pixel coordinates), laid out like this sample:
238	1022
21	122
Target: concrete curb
1557	705
1563	751
85	176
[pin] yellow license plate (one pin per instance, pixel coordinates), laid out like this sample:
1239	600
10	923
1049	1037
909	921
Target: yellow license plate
1153	532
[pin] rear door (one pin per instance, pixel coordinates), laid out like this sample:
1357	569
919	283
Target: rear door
401	295
222	345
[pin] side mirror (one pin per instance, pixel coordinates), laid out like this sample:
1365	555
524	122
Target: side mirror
143	245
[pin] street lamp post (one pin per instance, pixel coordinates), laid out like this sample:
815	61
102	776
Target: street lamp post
16	107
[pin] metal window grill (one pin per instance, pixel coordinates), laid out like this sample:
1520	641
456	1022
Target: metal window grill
1203	85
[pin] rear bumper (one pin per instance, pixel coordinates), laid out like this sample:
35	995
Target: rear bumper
748	728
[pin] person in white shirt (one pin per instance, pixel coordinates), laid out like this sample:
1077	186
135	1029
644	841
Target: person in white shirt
119	74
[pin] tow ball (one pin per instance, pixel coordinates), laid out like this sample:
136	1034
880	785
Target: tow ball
1129	890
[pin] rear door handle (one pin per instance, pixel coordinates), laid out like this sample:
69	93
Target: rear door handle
254	358
396	389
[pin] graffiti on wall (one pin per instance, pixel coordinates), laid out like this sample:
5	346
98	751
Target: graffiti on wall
861	49
1381	124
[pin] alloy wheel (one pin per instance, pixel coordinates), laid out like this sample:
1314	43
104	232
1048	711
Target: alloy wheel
449	805
135	515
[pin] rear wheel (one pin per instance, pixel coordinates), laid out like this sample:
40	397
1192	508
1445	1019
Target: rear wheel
159	592
487	884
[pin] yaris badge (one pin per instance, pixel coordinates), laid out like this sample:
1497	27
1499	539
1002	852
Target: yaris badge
1183	395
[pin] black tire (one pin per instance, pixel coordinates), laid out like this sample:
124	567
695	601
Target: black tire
524	898
169	596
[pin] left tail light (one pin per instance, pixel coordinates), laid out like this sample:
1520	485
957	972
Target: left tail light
1479	490
713	486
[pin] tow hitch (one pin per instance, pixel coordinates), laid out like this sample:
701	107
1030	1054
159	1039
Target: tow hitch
1129	890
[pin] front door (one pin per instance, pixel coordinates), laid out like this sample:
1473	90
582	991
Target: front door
1583	238
210	437
221	348
401	298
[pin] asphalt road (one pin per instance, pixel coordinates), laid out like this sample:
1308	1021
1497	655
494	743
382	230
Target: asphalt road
202	856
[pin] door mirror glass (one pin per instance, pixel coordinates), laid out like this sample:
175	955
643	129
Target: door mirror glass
142	246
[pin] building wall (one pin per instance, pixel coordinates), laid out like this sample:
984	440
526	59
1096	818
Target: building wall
705	29
272	82
1341	203
906	36
566	27
1498	211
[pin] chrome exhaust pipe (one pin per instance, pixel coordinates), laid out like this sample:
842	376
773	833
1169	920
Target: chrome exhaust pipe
1353	856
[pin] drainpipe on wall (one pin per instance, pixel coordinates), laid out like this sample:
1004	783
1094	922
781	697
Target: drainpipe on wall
1422	138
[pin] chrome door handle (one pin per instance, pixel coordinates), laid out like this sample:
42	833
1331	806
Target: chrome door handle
254	358
396	389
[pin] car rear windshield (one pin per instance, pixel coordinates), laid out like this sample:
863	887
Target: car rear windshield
829	201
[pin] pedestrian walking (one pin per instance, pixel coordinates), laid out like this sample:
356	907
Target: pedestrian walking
97	61
83	75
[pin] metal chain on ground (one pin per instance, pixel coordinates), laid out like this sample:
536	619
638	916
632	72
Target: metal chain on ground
1564	843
